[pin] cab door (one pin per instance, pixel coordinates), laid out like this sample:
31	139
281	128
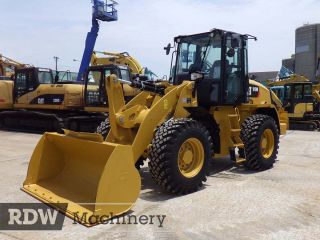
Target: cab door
24	85
235	69
225	69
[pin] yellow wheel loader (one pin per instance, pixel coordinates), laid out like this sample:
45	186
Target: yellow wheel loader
209	109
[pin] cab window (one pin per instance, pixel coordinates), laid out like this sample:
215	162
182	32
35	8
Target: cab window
45	77
307	90
125	75
298	92
94	78
21	81
287	92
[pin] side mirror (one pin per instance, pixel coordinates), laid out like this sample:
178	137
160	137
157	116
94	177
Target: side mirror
253	77
231	52
168	48
196	76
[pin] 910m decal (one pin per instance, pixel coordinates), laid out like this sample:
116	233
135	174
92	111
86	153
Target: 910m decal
253	91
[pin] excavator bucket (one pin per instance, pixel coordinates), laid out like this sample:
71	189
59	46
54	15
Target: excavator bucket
97	180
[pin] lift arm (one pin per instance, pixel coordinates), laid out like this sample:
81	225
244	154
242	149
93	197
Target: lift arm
101	11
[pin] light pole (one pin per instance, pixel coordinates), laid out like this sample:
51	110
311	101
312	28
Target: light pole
56	60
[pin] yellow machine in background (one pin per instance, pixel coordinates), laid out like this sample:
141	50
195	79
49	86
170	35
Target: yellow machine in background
122	59
6	90
124	62
301	99
52	105
209	109
8	67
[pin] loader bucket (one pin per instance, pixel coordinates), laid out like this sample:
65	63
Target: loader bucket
97	180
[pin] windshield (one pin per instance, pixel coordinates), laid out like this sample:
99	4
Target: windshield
45	77
66	76
199	53
96	94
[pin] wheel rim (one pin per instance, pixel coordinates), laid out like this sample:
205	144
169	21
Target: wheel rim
191	157
267	143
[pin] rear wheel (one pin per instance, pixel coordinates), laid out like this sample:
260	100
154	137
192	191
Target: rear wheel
260	136
179	155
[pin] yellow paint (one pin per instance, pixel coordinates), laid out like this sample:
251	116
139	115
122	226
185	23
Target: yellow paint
191	158
6	101
267	143
79	168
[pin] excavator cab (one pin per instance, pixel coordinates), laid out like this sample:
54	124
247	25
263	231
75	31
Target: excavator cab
298	98
95	89
218	60
27	80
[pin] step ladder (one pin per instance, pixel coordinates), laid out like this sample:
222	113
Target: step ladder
236	142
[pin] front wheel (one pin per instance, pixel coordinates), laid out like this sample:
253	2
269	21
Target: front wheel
260	136
179	155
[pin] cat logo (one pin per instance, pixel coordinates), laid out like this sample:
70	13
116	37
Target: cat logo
40	100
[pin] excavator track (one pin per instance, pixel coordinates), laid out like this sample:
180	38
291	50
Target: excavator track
308	125
40	122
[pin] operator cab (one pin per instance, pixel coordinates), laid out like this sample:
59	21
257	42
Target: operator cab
28	80
279	91
219	59
95	89
297	93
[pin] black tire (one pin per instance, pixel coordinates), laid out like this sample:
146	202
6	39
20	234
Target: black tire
164	152
252	131
104	129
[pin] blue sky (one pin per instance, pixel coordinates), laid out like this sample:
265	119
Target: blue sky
36	30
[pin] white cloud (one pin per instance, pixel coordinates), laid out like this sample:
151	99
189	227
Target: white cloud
38	30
